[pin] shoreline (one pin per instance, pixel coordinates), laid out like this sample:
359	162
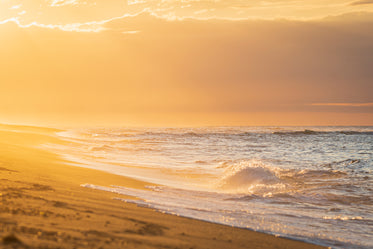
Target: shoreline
44	206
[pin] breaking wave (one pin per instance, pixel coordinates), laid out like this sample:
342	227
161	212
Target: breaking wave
255	177
242	177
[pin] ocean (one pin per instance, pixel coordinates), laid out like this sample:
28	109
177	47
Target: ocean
313	184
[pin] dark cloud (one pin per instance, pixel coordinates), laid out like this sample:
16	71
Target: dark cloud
361	2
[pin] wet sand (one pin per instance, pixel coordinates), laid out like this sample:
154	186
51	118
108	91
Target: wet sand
43	206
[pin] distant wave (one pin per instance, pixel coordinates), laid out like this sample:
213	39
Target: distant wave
343	163
193	134
356	132
138	136
312	132
243	134
304	132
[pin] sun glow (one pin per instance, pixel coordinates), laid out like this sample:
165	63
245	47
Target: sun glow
184	63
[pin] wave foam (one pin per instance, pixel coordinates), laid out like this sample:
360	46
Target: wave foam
255	177
250	176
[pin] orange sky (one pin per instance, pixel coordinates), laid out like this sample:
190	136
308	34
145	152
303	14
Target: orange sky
167	63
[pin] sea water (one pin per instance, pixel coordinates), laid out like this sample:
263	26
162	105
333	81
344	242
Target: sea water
313	184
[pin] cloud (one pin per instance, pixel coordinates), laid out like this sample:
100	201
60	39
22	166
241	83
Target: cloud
61	12
58	3
134	2
16	7
344	104
361	2
94	26
74	27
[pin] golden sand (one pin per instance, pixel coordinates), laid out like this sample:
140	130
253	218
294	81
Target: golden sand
43	206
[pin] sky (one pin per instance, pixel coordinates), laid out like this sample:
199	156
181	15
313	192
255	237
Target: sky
186	63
